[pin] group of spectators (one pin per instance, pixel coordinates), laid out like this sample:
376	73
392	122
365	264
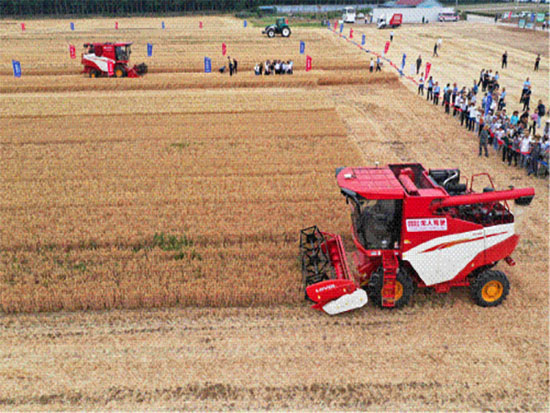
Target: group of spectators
274	67
515	136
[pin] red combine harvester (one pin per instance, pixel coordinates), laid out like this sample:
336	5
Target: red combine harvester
412	227
110	59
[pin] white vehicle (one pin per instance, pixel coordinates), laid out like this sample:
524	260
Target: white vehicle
447	17
349	15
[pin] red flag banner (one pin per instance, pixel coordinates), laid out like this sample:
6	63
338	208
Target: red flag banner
224	49
23	27
200	25
387	47
351	33
110	68
308	63
428	67
116	25
335	24
72	51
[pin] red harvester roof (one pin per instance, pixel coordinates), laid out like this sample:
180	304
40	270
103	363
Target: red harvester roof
371	183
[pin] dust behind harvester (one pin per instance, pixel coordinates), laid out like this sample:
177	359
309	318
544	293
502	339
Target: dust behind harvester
412	227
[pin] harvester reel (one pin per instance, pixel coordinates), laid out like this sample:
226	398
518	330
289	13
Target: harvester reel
141	69
315	262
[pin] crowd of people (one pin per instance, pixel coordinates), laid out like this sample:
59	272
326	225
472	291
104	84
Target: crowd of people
522	139
232	64
274	67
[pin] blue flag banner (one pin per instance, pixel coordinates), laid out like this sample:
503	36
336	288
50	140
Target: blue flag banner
72	26
16	68
163	25
207	65
488	103
245	23
328	24
403	61
533	17
363	40
341	27
149	49
302	47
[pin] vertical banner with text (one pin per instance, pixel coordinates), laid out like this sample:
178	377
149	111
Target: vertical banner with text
363	39
386	47
16	68
308	63
302	47
110	68
207	65
149	49
224	49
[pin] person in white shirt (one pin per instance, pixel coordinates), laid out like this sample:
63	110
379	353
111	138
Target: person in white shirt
524	149
457	104
371	67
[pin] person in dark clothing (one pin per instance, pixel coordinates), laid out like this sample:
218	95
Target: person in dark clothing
526	98
436	91
435	50
235	65
230	63
447	99
505	60
537	61
429	94
418	63
483	139
534	161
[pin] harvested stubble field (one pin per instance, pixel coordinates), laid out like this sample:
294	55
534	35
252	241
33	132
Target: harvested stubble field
183	189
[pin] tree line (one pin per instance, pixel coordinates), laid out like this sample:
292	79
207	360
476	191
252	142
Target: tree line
132	7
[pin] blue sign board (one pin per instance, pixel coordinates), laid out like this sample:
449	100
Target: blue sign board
72	26
16	68
149	49
163	25
341	27
245	23
363	40
207	65
302	47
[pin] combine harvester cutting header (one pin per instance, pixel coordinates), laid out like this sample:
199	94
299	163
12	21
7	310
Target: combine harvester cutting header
110	59
412	227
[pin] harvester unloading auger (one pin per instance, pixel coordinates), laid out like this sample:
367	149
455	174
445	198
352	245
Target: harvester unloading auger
412	227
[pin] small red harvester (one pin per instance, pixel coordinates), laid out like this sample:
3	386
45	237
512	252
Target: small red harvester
111	60
412	228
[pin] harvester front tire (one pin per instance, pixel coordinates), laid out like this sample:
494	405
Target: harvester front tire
120	71
285	32
490	288
94	73
404	288
271	33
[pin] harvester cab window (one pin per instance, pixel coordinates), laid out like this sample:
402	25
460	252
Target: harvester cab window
91	49
122	52
377	223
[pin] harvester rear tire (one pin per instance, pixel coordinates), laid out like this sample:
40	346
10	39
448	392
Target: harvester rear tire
405	285
490	288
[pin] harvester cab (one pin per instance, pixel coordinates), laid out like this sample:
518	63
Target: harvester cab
412	227
280	27
110	59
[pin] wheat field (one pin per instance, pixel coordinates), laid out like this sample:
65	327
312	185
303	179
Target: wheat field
174	203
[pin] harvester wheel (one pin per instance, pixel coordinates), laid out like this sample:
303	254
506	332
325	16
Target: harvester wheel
120	71
285	32
490	288
404	287
271	33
